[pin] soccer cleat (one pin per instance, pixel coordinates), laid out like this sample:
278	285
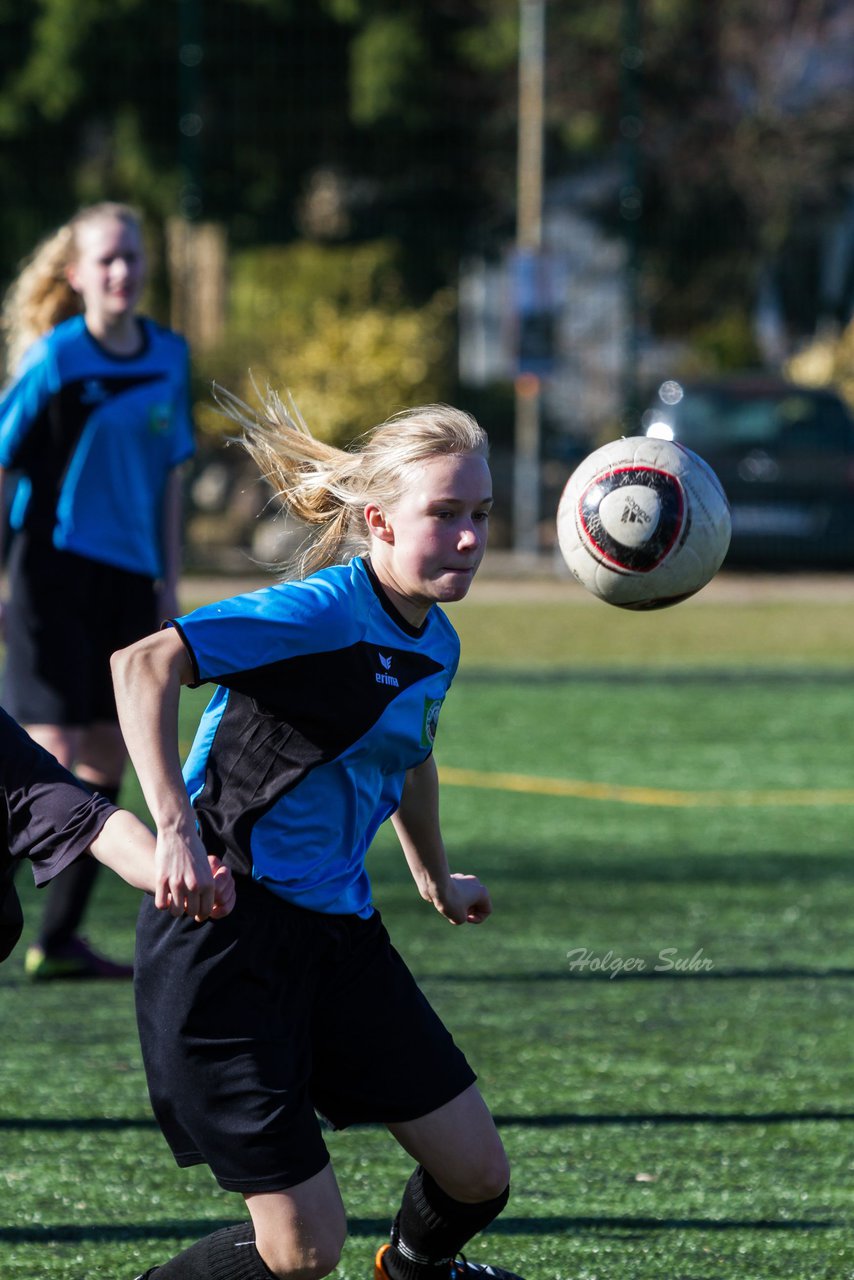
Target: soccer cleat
75	959
462	1270
459	1269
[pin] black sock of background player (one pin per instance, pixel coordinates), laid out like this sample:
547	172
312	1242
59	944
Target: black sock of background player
431	1228
229	1254
68	893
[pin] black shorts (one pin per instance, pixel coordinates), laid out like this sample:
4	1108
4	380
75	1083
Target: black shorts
66	616
252	1024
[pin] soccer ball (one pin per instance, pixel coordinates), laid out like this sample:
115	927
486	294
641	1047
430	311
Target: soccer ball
643	523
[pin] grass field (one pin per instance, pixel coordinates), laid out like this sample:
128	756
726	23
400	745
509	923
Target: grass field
660	1008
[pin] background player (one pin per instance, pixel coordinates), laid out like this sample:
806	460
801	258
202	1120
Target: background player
321	727
46	816
97	423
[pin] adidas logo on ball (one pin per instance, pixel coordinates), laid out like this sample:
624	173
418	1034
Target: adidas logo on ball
634	513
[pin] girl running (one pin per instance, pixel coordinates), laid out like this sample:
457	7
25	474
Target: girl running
327	695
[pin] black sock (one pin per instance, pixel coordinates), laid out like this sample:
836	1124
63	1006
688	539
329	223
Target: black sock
68	895
431	1228
229	1254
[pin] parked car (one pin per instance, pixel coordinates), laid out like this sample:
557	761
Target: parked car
785	457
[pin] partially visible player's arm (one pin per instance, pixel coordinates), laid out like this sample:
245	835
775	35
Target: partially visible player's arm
459	898
147	678
126	846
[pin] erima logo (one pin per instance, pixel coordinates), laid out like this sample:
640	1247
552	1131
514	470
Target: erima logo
382	677
633	513
93	392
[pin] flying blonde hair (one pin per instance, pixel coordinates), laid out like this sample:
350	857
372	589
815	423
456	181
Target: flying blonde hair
327	487
40	297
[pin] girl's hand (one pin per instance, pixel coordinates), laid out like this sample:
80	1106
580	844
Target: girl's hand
183	876
225	891
464	900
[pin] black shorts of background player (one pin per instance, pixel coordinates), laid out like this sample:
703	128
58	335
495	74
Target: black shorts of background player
327	693
48	818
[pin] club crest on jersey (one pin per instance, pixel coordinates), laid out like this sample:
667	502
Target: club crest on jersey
159	418
384	676
430	723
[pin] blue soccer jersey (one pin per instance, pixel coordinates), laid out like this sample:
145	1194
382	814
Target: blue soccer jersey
326	697
95	436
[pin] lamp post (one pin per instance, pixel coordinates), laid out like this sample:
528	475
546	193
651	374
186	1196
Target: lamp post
190	122
529	234
631	205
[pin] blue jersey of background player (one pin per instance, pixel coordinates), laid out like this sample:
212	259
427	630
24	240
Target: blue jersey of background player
95	436
321	726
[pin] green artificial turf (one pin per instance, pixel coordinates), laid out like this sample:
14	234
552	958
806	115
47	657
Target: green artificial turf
659	1009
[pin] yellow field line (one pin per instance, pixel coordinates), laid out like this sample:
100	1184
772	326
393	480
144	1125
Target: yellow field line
661	796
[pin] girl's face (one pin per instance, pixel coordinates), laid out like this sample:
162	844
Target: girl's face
427	546
109	269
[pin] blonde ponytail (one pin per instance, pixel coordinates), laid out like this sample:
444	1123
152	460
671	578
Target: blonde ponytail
327	487
40	297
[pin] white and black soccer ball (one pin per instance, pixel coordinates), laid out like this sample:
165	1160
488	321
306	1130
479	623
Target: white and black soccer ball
643	523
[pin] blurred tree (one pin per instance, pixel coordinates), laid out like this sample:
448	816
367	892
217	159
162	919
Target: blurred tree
333	325
749	143
351	120
827	361
245	101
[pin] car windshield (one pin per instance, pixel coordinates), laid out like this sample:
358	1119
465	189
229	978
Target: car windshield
789	421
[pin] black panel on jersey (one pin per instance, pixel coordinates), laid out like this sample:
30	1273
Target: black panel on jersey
48	447
284	719
254	760
333	697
